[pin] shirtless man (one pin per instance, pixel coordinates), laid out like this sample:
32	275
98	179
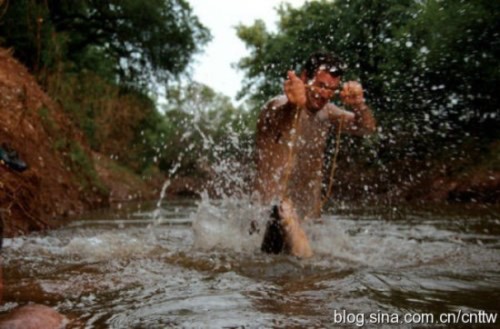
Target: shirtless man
292	130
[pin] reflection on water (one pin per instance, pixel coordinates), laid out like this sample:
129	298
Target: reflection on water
195	265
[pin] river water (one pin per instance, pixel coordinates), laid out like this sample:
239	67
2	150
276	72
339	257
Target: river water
193	264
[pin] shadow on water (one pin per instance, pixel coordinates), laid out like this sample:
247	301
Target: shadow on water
195	265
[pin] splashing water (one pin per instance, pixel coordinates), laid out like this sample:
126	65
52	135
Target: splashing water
157	212
225	224
222	222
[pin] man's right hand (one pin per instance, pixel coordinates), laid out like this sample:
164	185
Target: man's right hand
295	90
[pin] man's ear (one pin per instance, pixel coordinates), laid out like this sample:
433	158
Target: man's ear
303	76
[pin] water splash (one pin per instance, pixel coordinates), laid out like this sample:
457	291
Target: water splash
225	224
158	211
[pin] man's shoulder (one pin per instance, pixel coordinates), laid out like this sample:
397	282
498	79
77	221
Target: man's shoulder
272	110
328	110
275	103
330	107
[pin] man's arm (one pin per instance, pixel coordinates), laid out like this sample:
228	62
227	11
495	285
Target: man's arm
271	147
359	120
363	122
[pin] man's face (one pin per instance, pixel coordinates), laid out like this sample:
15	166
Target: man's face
321	89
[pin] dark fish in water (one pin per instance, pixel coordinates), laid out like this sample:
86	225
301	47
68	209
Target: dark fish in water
284	233
273	242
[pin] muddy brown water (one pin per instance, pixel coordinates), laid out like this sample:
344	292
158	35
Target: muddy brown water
194	265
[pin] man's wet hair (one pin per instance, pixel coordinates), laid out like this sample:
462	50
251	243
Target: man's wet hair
325	61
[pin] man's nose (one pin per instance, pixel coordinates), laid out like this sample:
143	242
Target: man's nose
326	92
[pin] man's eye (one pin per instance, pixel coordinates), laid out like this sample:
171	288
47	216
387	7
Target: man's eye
325	87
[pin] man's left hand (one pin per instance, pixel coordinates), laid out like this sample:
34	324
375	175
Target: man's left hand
352	93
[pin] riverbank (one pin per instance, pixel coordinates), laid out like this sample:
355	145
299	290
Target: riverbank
63	178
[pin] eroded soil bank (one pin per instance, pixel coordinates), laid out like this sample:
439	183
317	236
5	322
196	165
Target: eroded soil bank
63	177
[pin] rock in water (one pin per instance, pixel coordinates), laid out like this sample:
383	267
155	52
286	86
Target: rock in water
33	317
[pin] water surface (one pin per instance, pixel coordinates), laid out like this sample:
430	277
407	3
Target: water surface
193	264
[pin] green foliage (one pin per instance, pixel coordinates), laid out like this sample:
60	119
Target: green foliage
74	156
141	41
197	130
25	26
47	122
118	122
84	167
